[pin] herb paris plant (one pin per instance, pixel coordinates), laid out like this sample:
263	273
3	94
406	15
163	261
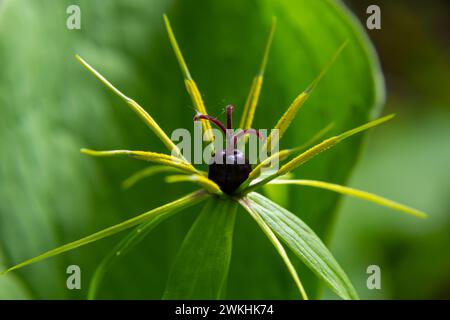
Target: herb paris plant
208	244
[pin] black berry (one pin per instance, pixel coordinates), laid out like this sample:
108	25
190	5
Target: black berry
229	168
229	176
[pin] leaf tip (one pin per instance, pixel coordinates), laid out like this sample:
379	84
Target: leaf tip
420	214
126	184
267	48
366	126
80	59
390	116
327	66
88	152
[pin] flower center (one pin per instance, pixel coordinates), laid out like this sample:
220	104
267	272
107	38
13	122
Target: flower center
229	168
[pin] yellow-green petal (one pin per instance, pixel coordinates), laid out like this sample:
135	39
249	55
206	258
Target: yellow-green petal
147	118
203	181
191	86
145	173
319	148
355	193
287	118
255	90
146	156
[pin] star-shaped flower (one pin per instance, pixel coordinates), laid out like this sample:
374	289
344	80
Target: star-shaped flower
227	185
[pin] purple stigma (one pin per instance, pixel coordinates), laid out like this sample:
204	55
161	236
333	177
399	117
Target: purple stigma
230	116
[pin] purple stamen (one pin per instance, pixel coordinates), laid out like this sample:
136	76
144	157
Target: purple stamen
230	138
213	120
247	131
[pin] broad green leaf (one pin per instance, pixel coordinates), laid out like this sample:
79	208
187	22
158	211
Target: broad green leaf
51	107
349	94
289	115
304	243
128	243
201	267
253	210
12	287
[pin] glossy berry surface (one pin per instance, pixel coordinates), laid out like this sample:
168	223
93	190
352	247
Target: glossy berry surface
229	168
229	171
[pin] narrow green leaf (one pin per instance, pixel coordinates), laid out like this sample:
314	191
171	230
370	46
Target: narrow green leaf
201	180
123	247
201	267
183	202
305	244
250	207
145	173
12	287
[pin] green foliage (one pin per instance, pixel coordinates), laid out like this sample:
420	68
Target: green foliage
304	243
11	287
408	249
50	194
160	212
201	268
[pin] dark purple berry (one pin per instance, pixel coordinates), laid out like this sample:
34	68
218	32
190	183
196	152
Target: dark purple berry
229	176
229	168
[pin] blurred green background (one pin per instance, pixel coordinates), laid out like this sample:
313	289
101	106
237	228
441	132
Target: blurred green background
51	107
408	160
